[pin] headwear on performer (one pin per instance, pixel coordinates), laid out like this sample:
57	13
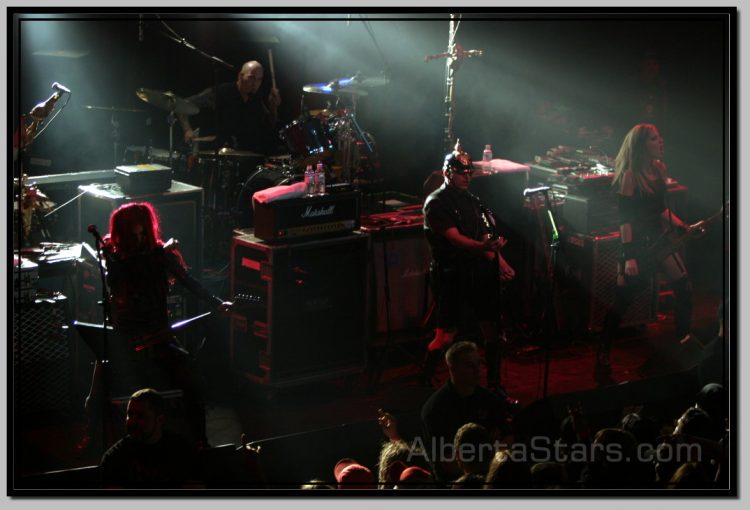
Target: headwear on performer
458	160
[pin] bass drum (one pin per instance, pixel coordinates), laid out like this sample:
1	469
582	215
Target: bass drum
263	177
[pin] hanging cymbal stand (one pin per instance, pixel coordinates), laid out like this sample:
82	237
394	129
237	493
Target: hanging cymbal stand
351	132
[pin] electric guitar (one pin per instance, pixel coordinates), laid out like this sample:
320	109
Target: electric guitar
669	242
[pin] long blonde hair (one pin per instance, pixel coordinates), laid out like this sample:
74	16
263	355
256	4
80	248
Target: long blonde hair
634	157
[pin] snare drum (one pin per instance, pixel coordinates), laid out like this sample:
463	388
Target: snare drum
308	138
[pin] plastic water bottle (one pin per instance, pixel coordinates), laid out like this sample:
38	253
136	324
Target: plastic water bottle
309	181
320	179
487	155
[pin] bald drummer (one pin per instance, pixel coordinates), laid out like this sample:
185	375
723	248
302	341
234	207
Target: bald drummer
244	121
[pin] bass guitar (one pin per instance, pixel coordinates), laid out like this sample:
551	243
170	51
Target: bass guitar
669	242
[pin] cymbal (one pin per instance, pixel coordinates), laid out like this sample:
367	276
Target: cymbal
227	152
369	82
167	101
112	109
334	87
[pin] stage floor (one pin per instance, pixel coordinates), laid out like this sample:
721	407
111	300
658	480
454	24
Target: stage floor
48	442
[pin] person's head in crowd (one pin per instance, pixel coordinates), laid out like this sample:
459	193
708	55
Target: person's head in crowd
145	416
549	475
469	481
350	474
315	484
690	475
474	450
712	398
616	462
464	366
393	456
506	472
695	422
644	429
415	477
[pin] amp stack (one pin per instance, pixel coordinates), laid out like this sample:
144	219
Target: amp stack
300	281
401	259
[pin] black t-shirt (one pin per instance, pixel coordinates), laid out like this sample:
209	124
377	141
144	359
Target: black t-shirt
450	207
643	210
168	463
446	411
241	125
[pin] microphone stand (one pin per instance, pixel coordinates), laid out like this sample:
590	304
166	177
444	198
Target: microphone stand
549	320
103	349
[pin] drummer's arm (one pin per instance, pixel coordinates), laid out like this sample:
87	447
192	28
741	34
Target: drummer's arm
204	99
274	100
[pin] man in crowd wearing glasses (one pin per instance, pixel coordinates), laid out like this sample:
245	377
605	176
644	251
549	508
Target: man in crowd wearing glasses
466	266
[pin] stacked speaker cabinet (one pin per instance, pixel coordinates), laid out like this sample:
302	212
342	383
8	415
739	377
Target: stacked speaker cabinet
306	318
591	266
42	361
401	259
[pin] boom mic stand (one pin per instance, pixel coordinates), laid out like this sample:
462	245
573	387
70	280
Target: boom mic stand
548	229
102	350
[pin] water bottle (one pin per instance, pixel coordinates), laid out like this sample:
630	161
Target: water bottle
320	179
309	181
487	155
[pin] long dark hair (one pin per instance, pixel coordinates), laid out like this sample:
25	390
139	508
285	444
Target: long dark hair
120	239
633	157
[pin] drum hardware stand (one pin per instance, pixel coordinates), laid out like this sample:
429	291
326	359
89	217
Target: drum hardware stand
171	119
115	138
454	56
550	329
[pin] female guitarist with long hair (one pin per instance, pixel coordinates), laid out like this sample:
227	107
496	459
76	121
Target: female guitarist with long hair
140	269
640	183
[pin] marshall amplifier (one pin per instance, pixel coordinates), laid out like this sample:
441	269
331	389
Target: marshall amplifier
401	261
307	217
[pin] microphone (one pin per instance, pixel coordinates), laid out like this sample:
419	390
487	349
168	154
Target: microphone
530	191
92	230
140	28
60	87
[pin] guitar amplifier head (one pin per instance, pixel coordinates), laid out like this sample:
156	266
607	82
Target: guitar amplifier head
307	217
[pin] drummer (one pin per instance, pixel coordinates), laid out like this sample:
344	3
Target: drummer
244	122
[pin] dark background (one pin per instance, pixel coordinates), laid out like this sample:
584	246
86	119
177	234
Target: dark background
540	81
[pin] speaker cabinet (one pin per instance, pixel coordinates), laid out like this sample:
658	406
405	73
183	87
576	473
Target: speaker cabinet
42	361
179	208
591	266
310	316
401	259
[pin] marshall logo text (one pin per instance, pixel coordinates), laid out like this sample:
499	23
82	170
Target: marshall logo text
311	212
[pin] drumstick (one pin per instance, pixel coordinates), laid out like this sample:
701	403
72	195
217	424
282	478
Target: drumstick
273	72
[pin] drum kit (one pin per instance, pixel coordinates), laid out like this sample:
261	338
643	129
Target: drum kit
229	177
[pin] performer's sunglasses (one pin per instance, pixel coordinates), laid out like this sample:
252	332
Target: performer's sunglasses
463	171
